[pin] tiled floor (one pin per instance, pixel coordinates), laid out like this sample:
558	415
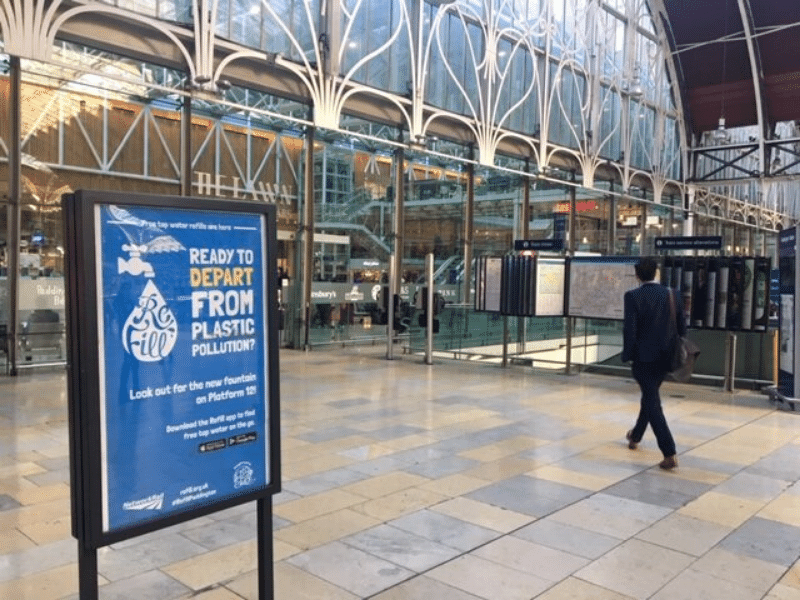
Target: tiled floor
454	481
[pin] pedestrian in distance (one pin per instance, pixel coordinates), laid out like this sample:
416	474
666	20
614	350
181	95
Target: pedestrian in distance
648	335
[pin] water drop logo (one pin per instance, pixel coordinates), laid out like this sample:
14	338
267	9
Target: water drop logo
151	329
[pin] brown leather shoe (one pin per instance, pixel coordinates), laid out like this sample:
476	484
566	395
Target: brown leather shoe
669	462
631	444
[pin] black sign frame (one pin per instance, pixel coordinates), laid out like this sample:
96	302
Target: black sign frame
84	362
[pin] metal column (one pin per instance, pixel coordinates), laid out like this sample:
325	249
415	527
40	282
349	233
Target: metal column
308	235
429	323
392	290
469	231
730	362
14	192
399	214
570	252
186	146
796	340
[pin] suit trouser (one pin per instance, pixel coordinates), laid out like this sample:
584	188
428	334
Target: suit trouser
649	376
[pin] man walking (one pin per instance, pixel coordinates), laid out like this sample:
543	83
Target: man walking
648	336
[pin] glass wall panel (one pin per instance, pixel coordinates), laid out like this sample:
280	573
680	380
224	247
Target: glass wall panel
80	132
452	79
353	239
169	10
372	27
290	27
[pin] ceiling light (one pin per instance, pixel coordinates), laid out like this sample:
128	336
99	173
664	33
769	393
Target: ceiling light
721	134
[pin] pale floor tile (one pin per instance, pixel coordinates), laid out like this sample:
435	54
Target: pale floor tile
577	589
410	442
21	469
729	452
386	484
785	508
152	584
488	580
217	594
584	481
310	507
400	503
725	510
575	540
741	570
483	424
354	570
292	583
453	485
783	592
31	515
346	443
792	576
696	585
367	452
534	559
326	528
214	567
499	450
610	515
410	551
501	469
424	588
282	550
484	515
685	534
636	568
316	464
49	585
700	475
34	494
13	541
46	532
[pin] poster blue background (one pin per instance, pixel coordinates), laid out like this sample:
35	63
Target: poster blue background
149	472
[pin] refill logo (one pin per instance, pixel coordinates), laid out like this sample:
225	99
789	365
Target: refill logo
151	329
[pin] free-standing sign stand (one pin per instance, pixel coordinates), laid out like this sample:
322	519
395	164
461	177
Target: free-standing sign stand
173	367
788	388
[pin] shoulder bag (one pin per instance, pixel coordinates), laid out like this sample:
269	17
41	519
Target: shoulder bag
684	352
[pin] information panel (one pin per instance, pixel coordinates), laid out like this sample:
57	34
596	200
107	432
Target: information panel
183	358
186	361
597	286
550	287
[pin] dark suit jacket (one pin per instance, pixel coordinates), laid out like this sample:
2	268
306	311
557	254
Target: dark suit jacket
648	333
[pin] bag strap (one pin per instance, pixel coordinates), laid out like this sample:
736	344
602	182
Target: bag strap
673	319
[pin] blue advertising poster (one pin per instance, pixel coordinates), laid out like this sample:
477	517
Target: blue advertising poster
183	359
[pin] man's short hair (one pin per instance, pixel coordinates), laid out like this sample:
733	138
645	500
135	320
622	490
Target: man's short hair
646	269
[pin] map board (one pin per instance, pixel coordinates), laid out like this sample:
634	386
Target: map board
597	286
550	279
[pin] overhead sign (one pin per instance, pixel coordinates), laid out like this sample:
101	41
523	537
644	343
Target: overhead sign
186	357
548	244
700	242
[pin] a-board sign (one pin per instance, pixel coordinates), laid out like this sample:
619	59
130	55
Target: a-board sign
548	244
173	366
698	242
